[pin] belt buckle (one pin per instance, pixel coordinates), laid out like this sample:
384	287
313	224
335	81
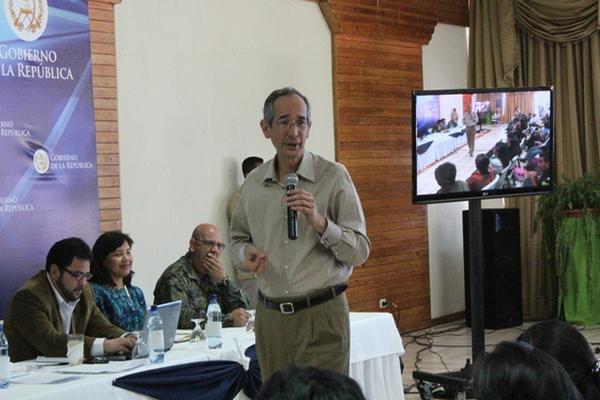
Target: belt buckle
286	308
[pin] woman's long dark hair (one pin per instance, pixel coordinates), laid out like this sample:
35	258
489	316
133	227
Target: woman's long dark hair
570	348
519	371
106	244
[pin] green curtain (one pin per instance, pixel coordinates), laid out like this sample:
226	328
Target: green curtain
579	289
535	43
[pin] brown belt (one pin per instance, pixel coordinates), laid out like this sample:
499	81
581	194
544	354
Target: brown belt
291	307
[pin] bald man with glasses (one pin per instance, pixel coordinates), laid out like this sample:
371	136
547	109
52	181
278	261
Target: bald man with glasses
58	302
196	275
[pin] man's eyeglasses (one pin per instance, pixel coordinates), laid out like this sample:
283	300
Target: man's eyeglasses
210	243
301	124
79	275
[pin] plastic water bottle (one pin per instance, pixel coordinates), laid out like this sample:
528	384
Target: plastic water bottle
213	323
4	365
156	344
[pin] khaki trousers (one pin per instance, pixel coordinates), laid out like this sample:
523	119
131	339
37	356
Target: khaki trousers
318	336
471	139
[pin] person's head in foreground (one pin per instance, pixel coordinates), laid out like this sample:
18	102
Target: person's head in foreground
309	383
519	371
570	348
445	175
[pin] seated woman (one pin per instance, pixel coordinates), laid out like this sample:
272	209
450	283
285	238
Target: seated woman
518	371
309	383
570	348
122	303
530	174
483	175
500	158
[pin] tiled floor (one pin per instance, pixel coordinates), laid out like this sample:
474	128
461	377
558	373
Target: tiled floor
465	164
451	346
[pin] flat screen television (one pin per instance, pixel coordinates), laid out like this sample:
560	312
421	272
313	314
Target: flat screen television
482	143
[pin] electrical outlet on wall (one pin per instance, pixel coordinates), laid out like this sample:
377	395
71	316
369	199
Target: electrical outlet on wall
383	303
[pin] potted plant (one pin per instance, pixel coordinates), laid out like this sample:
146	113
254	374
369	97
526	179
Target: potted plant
571	244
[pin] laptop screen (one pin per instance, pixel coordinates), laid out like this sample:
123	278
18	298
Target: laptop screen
169	314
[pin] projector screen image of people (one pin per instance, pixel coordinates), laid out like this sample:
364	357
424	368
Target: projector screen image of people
482	143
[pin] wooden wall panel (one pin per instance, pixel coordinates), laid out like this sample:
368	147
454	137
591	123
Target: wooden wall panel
104	78
375	85
403	14
377	63
453	12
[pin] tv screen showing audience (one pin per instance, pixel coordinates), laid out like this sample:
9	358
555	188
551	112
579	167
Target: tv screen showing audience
482	143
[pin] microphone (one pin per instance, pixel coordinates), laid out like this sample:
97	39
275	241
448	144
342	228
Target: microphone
292	215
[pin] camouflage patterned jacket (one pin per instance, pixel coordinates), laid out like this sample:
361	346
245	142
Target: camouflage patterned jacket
180	281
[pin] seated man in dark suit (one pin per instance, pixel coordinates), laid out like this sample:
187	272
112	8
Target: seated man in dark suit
57	302
440	125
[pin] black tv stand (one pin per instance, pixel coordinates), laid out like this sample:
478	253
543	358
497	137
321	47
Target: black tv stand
453	384
459	382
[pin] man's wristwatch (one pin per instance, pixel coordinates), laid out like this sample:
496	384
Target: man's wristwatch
225	282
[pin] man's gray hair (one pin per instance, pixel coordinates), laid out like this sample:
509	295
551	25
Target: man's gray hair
268	109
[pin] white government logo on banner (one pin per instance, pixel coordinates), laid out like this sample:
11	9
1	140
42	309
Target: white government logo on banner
27	18
41	161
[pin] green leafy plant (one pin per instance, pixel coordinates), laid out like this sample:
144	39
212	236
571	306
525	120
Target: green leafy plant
580	194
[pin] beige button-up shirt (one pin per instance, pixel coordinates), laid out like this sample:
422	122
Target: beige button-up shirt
311	262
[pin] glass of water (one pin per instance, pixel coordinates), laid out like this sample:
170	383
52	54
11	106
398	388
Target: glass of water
250	323
75	349
140	349
197	334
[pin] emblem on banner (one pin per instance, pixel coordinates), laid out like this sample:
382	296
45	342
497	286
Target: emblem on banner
27	18
41	161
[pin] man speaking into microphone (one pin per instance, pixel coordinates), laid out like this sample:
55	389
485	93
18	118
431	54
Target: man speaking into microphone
300	227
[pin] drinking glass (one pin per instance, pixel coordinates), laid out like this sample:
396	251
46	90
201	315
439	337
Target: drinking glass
140	349
197	333
75	349
250	323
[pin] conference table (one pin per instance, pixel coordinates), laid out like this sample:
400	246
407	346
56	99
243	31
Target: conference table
436	146
375	350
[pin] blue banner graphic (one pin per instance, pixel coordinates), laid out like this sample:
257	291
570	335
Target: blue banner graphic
48	177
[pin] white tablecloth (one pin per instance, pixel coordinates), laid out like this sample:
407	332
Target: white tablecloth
442	144
375	350
374	363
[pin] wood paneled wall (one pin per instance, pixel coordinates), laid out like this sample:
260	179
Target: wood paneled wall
377	63
104	78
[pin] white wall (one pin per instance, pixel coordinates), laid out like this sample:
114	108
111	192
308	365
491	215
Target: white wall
445	67
191	84
447	103
192	78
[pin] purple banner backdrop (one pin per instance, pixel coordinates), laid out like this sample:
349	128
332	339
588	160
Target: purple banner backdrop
428	112
48	178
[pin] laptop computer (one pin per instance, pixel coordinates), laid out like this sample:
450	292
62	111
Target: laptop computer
169	314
